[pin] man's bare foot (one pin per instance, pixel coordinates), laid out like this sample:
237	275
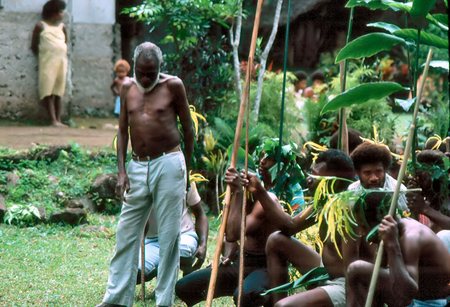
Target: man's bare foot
59	124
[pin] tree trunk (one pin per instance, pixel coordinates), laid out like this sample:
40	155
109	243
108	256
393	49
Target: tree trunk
263	60
235	37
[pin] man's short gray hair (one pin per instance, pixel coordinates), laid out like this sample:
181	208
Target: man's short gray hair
149	51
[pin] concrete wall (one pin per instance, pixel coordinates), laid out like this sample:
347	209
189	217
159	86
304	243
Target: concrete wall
93	47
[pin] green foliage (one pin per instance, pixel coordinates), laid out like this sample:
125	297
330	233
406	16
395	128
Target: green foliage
48	184
361	94
391	28
368	45
420	8
427	39
320	126
22	215
376	113
193	50
312	277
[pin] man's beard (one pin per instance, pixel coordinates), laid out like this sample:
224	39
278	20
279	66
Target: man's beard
148	89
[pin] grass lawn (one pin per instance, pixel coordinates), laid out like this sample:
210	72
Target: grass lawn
50	265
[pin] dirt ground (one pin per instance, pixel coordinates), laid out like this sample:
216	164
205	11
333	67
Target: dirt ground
87	132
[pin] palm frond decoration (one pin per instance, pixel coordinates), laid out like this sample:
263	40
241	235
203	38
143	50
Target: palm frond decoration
316	147
314	276
376	140
335	209
196	117
439	141
196	177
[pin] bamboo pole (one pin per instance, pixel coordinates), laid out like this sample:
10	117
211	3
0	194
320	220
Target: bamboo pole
243	216
401	174
237	137
143	268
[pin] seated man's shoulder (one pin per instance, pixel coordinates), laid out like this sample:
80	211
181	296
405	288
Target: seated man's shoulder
127	83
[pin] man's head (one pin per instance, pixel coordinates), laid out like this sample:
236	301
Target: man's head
53	10
301	80
354	139
147	63
430	170
332	162
371	163
318	78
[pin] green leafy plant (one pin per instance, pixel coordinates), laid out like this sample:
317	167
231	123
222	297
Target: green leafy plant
22	215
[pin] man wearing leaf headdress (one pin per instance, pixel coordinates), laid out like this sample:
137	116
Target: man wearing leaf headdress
283	249
417	268
192	288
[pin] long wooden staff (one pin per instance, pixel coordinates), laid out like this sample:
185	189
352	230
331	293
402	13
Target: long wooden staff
143	269
243	216
412	127
236	143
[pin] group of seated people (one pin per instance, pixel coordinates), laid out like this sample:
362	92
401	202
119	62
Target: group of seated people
415	270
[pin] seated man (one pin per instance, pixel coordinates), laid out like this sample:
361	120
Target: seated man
193	238
192	288
372	162
432	205
417	266
282	249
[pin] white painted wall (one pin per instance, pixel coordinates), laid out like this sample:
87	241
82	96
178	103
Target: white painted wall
94	11
24	6
83	11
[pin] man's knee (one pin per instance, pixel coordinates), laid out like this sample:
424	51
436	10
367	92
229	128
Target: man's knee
275	241
355	270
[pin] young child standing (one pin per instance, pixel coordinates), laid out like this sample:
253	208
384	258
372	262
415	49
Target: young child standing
121	69
49	44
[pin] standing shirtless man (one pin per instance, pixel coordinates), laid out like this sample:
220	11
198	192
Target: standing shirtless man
155	177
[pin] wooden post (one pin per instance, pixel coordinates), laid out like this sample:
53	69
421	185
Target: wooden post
237	138
401	174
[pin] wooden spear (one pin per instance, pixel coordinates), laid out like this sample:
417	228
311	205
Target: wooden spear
236	143
401	174
143	268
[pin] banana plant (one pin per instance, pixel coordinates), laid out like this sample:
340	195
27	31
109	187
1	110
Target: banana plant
371	44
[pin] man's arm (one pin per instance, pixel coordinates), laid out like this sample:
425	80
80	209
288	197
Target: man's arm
418	204
403	262
184	114
280	219
233	226
122	142
35	38
201	228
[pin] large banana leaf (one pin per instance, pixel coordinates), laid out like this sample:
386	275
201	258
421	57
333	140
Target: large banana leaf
312	277
362	93
420	8
428	39
368	45
370	4
391	28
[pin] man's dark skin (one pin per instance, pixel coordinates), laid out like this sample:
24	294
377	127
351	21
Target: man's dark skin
283	249
419	266
152	117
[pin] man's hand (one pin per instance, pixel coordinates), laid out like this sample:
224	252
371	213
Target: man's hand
417	203
233	179
200	254
252	182
123	184
388	230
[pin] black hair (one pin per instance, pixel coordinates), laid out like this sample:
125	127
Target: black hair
429	156
369	153
339	164
318	75
52	7
301	75
354	139
430	143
